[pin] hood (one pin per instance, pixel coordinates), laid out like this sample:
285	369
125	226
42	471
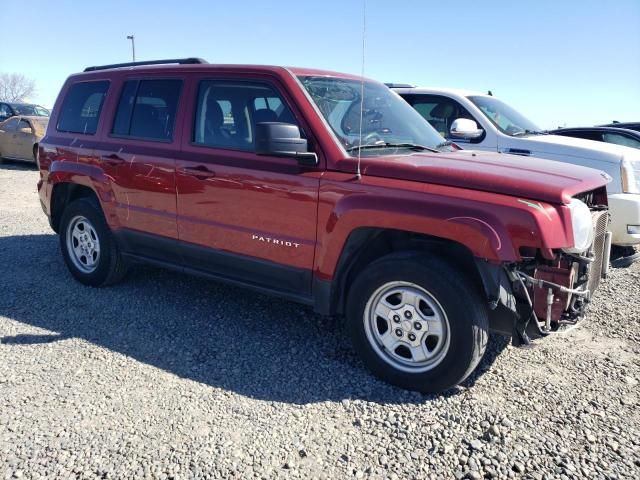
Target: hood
526	177
576	147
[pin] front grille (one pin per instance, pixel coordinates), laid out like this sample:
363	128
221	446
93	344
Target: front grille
594	199
587	198
600	224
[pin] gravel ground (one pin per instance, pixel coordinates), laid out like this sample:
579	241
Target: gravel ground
168	376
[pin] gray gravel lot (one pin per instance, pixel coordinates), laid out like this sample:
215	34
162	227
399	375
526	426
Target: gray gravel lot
168	376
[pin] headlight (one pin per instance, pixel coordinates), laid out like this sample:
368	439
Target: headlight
630	173
582	225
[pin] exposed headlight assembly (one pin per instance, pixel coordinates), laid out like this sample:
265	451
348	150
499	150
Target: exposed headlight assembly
582	224
630	173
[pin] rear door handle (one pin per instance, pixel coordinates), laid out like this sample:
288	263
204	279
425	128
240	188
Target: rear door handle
113	160
201	172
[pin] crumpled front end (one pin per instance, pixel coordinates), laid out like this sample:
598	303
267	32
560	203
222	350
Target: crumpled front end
539	296
559	291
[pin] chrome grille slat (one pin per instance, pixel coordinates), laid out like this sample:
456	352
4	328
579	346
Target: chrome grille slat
600	224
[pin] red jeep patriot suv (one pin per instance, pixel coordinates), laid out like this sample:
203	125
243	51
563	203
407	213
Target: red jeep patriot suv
326	189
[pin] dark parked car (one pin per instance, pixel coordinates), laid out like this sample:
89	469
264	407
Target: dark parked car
8	110
619	136
628	125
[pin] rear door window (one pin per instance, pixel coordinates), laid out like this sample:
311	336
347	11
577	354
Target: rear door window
586	134
11	125
147	109
81	107
621	140
270	103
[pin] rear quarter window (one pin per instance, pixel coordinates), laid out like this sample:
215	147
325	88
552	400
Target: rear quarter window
82	106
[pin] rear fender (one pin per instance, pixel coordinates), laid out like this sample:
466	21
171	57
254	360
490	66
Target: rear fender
63	172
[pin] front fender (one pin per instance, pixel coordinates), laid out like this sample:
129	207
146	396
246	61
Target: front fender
491	226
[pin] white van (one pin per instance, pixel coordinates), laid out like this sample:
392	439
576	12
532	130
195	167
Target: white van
482	122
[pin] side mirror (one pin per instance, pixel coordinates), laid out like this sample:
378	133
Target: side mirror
26	130
465	129
283	140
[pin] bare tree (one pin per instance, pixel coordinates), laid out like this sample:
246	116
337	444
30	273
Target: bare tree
15	87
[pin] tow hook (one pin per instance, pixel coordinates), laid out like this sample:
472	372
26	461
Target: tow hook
547	323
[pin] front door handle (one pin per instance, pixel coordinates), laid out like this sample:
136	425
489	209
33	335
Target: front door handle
201	172
113	160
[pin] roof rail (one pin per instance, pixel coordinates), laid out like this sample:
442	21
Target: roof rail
180	61
400	85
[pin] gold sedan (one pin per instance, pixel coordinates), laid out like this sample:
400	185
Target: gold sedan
19	137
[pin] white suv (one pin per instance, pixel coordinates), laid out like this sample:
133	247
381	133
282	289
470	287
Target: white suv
482	122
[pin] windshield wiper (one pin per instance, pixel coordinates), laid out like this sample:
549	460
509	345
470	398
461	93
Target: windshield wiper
446	143
530	132
411	146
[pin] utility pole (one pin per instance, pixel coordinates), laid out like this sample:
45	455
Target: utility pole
133	45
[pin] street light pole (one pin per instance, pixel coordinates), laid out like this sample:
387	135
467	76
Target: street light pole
133	45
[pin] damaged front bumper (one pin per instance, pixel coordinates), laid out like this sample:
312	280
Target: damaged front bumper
537	297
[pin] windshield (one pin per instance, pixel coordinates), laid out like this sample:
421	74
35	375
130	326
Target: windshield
388	122
34	110
505	118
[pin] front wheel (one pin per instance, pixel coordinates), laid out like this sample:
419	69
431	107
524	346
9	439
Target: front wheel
416	322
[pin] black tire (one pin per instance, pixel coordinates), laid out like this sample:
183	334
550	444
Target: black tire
110	267
35	156
462	305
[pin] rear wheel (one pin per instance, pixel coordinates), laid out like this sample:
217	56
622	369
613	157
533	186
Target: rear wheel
88	247
416	322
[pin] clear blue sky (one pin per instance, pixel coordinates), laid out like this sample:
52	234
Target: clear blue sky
573	62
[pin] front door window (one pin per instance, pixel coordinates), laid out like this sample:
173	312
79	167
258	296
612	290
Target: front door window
227	113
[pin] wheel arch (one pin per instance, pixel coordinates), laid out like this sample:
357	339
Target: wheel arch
367	244
63	193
